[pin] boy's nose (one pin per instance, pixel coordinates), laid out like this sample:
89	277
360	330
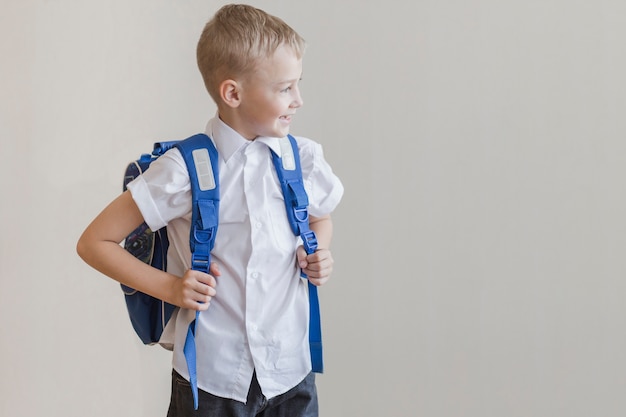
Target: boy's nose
297	100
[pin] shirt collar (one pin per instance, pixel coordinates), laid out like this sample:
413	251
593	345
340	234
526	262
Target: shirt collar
272	143
228	141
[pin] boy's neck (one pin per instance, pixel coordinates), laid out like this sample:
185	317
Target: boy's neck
231	120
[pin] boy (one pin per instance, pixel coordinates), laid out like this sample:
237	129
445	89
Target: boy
252	332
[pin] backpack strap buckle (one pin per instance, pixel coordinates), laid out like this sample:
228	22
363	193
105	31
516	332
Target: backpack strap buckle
309	241
200	262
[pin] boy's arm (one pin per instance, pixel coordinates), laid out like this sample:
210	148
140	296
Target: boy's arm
319	265
99	247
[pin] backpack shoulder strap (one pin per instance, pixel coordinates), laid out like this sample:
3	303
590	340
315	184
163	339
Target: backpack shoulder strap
201	158
289	174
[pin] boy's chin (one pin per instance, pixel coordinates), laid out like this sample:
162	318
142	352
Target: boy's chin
279	133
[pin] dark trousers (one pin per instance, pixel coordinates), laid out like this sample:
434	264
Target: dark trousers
300	401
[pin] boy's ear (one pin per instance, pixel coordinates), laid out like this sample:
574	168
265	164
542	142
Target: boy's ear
230	93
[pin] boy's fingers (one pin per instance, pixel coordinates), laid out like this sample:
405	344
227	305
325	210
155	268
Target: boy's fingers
214	269
200	305
208	290
318	281
203	278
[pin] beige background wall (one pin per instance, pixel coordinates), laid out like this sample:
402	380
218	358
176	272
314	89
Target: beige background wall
480	246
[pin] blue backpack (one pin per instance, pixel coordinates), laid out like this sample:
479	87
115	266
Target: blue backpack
149	315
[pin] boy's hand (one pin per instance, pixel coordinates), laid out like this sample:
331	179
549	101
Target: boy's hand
196	289
317	266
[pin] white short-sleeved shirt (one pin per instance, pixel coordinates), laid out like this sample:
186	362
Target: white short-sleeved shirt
259	318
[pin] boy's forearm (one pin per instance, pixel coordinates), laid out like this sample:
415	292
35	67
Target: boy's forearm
112	260
99	247
323	228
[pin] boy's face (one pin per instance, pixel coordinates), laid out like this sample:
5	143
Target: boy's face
270	96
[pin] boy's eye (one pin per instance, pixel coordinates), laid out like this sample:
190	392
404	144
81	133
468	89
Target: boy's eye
290	86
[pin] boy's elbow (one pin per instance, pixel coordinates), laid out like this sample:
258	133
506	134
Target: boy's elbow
82	248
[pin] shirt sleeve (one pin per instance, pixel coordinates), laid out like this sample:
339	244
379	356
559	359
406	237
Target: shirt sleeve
323	187
163	192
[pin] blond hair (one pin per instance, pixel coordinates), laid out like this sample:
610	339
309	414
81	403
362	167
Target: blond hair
235	39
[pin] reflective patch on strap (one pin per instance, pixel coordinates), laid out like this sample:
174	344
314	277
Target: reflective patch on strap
286	154
204	171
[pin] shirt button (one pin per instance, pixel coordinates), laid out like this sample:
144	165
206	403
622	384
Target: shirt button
255	275
258	225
